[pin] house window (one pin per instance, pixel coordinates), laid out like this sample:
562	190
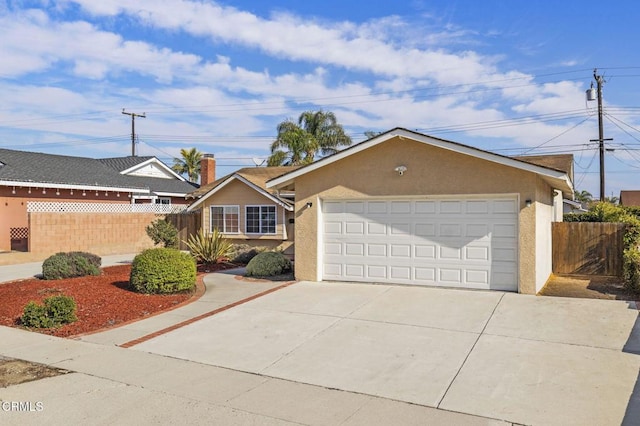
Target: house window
165	201
261	220
225	218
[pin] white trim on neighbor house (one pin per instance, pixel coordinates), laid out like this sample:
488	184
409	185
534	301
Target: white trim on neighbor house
170	194
132	170
74	187
230	179
260	206
224	219
557	177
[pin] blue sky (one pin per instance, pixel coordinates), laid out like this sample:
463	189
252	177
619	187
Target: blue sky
505	76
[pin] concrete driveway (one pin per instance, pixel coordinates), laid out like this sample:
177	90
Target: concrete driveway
518	358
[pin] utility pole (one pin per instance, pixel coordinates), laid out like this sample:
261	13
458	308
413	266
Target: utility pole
599	81
133	128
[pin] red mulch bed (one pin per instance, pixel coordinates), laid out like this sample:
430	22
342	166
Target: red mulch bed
103	301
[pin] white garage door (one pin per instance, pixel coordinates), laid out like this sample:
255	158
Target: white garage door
469	243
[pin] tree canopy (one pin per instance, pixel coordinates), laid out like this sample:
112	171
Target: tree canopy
316	133
188	164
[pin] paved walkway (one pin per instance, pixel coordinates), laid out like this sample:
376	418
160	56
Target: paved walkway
109	384
340	354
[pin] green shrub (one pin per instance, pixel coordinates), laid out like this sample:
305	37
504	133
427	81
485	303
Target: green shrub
209	248
162	270
162	232
56	311
69	265
243	253
268	264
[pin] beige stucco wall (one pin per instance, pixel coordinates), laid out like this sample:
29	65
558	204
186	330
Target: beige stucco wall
102	234
430	171
237	193
13	207
545	214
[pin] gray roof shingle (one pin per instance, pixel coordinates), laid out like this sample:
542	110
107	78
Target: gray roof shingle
23	166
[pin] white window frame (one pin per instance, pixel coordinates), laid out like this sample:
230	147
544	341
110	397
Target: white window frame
165	201
224	217
261	206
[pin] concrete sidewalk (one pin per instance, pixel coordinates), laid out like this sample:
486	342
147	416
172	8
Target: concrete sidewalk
112	385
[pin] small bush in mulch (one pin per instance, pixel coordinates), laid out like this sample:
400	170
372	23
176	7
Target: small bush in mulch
71	264
162	271
268	264
56	311
243	253
162	232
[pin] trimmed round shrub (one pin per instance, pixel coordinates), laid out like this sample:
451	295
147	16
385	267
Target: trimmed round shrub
69	265
162	271
243	253
54	312
268	264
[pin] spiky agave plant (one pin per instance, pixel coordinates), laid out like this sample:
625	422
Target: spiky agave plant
209	247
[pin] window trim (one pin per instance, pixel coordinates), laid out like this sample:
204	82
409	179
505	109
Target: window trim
261	206
224	207
161	201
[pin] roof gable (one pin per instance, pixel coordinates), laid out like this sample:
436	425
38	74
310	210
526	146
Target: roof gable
254	177
142	166
558	179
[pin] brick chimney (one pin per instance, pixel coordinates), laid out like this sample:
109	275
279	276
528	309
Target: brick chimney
207	169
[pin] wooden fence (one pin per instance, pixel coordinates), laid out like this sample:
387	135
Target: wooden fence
187	224
587	248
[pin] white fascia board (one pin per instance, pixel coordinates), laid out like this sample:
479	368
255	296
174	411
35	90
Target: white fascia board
440	143
159	163
246	182
170	194
26	184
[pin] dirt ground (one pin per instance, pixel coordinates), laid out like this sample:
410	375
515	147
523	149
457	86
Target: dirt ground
587	287
15	371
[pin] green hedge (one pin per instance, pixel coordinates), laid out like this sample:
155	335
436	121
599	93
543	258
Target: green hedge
56	311
163	270
71	264
268	264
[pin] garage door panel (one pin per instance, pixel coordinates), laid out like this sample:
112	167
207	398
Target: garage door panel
400	273
450	276
477	253
425	275
400	207
375	228
473	245
377	250
402	229
450	207
425	207
477	207
425	230
425	251
354	271
450	230
354	249
401	250
332	207
332	248
447	253
354	207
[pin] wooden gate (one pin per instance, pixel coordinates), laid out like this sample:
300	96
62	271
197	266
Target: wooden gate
588	248
187	224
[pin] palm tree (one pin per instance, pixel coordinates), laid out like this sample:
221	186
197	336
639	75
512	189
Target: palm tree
584	197
189	164
299	143
293	146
